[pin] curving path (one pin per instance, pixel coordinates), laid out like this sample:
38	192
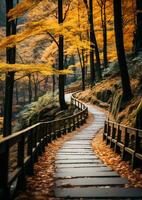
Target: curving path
80	174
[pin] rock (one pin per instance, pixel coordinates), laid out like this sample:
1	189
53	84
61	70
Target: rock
112	69
104	95
116	103
48	112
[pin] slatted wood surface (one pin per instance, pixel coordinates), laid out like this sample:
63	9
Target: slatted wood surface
80	174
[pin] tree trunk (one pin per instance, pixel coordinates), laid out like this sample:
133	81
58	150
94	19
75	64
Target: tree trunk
82	64
83	78
53	84
35	92
24	95
83	71
137	40
62	102
104	25
127	94
30	88
94	47
16	93
10	58
92	65
105	46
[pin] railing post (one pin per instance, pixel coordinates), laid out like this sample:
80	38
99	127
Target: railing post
39	149
81	118
43	137
59	133
53	131
74	127
30	153
69	125
111	136
49	128
45	134
105	130
118	139
136	149
4	158
86	112
108	133
78	125
84	117
126	136
78	104
21	184
65	128
35	140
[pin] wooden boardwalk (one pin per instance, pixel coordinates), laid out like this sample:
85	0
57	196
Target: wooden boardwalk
80	174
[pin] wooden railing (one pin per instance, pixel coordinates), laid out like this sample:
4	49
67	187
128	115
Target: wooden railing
125	141
29	144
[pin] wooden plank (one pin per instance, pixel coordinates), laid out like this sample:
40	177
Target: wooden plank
94	192
80	142
76	157
91	182
84	170
76	150
87	174
77	161
84	138
75	153
81	135
77	147
80	165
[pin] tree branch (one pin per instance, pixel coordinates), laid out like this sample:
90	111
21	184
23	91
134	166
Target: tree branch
66	11
53	38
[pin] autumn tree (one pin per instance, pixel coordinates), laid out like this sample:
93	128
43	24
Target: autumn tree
93	44
127	94
138	32
62	102
10	59
102	4
81	52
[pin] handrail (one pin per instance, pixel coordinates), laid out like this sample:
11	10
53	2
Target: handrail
122	125
30	144
124	140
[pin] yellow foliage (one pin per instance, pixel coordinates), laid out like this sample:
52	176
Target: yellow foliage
22	7
43	23
42	68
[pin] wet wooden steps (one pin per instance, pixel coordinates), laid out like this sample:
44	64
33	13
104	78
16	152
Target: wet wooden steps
80	174
94	192
91	181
